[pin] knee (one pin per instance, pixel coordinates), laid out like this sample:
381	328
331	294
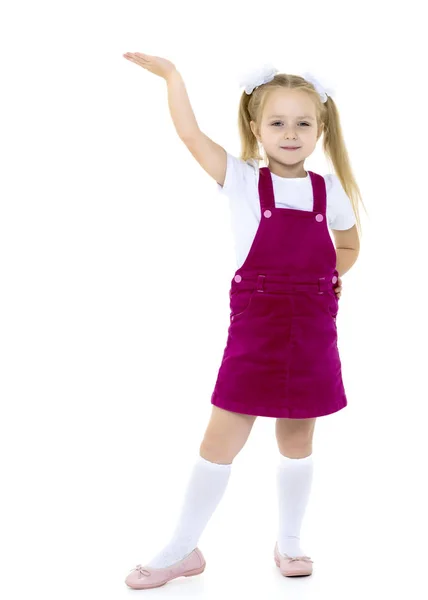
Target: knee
295	445
216	452
295	451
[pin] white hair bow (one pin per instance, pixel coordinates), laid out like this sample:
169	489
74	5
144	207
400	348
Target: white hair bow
257	76
321	89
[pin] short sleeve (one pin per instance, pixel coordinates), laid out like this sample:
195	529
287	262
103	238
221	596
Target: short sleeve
340	207
239	174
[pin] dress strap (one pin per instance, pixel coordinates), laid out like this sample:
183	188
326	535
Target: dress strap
319	192
267	197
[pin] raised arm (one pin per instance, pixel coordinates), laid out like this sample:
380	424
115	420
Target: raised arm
211	156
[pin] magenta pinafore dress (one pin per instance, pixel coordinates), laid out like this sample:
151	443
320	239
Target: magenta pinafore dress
281	357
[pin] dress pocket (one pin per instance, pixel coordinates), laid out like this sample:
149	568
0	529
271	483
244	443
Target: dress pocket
240	303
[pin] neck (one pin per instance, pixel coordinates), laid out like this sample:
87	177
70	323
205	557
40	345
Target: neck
283	170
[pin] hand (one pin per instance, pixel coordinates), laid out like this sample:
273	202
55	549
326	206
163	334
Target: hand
154	64
338	288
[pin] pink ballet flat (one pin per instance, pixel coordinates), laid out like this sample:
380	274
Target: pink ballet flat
292	567
143	577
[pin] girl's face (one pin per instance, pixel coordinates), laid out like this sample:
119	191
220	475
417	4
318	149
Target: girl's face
288	119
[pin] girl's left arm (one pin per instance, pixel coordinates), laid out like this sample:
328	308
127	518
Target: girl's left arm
347	244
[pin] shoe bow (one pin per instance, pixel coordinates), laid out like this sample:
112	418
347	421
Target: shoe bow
141	570
305	558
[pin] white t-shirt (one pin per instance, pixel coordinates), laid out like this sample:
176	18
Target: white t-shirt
241	188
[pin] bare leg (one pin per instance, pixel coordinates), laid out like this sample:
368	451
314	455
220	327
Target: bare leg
226	435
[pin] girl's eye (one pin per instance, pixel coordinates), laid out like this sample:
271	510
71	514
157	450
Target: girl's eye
304	123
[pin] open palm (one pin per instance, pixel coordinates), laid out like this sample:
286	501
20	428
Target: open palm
155	64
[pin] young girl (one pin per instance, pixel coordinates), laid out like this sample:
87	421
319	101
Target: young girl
281	357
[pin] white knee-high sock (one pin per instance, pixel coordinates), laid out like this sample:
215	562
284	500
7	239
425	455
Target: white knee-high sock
294	482
207	484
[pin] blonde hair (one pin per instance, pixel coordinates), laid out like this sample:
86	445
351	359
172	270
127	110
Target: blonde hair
251	109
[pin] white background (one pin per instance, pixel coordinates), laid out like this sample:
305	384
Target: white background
116	259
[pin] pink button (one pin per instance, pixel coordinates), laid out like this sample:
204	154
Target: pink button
238	278
334	279
319	218
267	214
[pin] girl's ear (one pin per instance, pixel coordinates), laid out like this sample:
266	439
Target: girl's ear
254	130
